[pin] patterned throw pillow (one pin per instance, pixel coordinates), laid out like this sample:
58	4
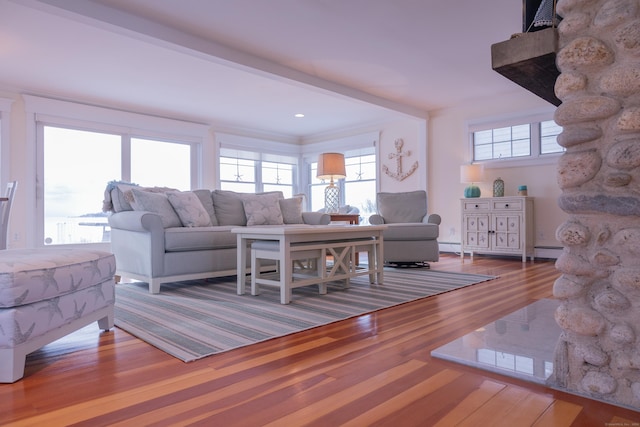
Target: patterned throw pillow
262	209
157	203
189	208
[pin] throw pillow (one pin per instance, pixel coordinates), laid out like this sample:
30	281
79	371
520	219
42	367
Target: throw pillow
207	201
157	203
262	209
291	210
189	209
228	208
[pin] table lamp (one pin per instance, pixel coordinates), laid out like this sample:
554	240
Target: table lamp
331	166
471	174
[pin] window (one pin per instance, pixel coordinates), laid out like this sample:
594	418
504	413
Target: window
79	163
357	189
153	163
249	172
502	143
515	141
80	148
549	132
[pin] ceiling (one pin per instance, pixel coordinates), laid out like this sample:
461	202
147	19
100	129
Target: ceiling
253	64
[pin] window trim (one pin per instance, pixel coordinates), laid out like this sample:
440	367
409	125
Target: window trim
50	112
5	141
534	159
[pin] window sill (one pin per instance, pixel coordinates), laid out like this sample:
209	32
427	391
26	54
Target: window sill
548	159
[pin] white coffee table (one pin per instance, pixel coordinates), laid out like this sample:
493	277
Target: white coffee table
340	241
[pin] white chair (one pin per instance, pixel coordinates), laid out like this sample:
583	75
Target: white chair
5	212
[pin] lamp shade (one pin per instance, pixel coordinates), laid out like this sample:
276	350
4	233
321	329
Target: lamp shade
471	173
331	166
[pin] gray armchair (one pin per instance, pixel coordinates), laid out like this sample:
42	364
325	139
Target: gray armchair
412	235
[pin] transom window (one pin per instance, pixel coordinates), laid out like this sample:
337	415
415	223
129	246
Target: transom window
518	141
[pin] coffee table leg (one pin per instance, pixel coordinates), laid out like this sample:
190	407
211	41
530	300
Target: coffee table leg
241	261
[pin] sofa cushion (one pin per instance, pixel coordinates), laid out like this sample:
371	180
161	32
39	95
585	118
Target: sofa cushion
402	207
179	239
189	209
411	231
207	202
262	209
157	203
229	208
291	210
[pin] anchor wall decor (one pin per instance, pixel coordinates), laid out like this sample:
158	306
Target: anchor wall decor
398	155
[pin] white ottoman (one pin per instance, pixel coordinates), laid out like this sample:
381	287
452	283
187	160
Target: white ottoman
48	293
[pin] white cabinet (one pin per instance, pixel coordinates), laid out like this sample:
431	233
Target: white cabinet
497	225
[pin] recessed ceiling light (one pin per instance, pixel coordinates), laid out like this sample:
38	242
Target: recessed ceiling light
298	115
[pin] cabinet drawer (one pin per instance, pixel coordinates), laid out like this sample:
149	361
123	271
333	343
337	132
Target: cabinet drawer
507	205
475	206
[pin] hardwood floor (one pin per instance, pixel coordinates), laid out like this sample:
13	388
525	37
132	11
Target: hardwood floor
374	370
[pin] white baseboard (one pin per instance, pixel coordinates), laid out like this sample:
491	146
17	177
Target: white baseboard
549	252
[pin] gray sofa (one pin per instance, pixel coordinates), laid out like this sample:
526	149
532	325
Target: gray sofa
412	234
161	235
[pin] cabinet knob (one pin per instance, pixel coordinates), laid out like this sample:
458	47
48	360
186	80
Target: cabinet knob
506	205
476	206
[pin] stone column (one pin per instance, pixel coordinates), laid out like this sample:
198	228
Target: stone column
599	59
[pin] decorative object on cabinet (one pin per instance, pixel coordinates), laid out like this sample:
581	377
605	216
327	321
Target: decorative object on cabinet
522	190
500	225
399	175
331	166
471	174
498	187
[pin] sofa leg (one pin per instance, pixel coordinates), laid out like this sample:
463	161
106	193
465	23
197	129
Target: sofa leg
154	286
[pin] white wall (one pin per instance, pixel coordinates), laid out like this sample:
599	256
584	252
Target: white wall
413	133
449	148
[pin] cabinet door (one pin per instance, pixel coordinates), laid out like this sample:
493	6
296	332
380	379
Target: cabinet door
476	231
506	232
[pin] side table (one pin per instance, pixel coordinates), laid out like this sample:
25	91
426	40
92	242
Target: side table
350	218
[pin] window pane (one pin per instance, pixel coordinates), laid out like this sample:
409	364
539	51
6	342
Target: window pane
239	170
77	167
549	132
361	194
287	190
521	132
502	150
317	197
521	148
277	173
161	164
502	135
240	187
483	152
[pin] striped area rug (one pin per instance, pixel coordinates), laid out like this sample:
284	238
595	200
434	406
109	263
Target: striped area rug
195	319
